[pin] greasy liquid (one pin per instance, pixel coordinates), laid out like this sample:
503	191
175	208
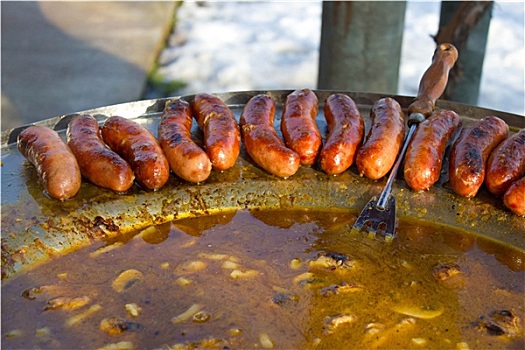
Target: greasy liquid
262	279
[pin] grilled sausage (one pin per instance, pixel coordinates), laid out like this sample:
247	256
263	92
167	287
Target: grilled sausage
97	162
506	163
139	148
187	160
345	134
379	151
514	197
469	154
222	138
425	152
298	125
261	140
55	164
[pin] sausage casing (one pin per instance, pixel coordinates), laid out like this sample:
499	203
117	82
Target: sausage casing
55	164
345	134
506	163
98	163
378	153
222	138
426	150
470	152
298	125
139	148
261	140
187	160
514	197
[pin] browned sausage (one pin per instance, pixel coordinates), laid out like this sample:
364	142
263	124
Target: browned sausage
97	162
55	164
379	151
261	140
187	160
424	155
298	125
139	148
345	134
468	156
222	138
514	197
506	163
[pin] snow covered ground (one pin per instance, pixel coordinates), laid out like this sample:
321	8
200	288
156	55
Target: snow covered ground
230	46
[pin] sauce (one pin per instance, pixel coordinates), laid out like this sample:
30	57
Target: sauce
261	279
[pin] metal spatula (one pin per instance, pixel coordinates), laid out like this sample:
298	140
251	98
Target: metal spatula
379	214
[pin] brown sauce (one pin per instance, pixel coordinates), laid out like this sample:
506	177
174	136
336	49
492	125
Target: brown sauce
262	279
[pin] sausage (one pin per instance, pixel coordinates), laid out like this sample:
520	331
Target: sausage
346	129
97	162
425	152
187	160
514	197
469	154
298	125
261	140
222	138
55	164
139	148
506	163
378	153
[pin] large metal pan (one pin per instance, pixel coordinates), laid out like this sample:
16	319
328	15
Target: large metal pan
35	227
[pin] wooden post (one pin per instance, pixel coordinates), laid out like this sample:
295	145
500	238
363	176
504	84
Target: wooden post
465	24
361	45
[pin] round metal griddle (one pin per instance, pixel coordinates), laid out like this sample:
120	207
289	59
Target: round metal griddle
35	227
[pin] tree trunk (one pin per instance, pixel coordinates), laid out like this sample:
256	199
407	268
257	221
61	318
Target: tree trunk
361	45
465	24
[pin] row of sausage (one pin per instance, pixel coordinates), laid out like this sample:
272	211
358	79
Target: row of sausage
122	151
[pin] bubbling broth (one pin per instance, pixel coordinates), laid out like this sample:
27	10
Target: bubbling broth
295	279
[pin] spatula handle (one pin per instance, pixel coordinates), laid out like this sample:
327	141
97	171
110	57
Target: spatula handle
433	82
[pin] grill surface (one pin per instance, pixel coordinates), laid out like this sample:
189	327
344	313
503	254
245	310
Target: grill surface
35	227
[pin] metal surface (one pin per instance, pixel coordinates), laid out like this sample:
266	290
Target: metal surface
35	227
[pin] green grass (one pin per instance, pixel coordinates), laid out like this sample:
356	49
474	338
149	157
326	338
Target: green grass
164	86
156	80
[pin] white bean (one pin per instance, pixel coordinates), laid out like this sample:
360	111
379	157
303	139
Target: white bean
186	315
265	341
126	280
230	265
189	267
77	318
123	345
105	249
425	312
235	274
133	309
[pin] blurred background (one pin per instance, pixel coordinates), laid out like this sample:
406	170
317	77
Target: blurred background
63	57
